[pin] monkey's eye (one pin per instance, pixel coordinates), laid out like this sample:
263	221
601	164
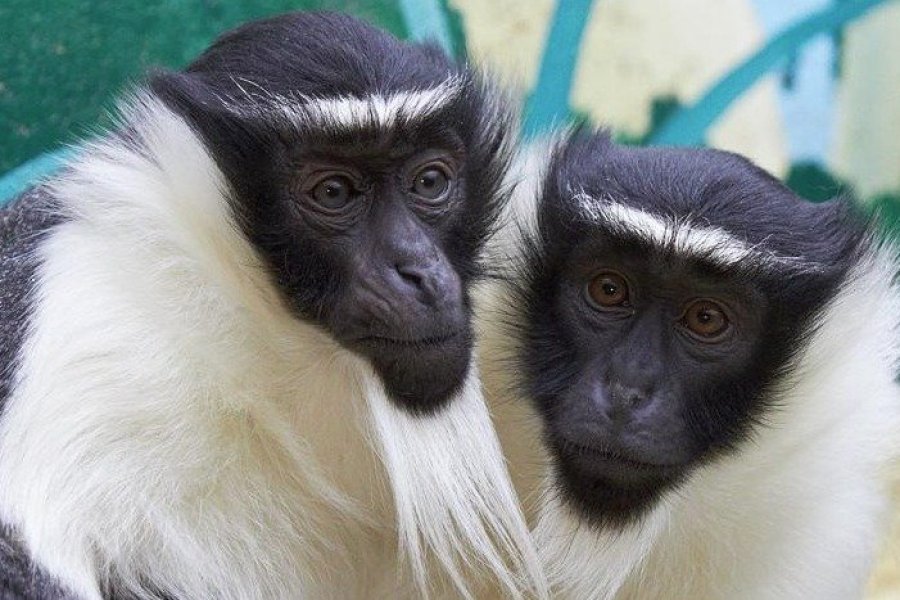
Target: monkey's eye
608	290
431	182
706	320
333	192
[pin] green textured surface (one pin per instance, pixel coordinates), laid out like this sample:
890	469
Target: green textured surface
63	62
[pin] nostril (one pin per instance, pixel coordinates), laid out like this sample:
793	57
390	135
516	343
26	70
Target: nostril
430	282
636	399
627	397
421	280
410	274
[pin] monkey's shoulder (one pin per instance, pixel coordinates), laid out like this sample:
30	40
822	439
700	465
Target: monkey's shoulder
22	225
26	215
20	578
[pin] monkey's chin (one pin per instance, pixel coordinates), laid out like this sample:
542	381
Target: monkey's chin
420	375
609	490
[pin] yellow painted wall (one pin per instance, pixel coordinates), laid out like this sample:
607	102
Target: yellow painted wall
868	136
638	50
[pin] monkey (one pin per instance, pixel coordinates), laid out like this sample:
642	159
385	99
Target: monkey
237	334
692	372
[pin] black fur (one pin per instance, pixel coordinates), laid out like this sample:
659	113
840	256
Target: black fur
22	225
228	94
20	579
688	402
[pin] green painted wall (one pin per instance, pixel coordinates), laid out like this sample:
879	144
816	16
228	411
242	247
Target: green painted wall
63	62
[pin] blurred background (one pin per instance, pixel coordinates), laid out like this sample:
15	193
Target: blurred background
809	89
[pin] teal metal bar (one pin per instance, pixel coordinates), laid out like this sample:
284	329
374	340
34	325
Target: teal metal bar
687	127
549	100
19	179
426	21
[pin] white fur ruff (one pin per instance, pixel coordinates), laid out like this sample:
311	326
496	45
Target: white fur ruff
173	425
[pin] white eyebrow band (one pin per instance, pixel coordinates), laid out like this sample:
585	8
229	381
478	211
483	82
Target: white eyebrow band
682	237
352	113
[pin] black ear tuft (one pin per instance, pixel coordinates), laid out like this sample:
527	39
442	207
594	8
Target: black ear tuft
843	232
183	93
189	97
206	110
240	142
576	158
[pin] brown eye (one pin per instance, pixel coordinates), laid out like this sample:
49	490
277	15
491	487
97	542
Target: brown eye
333	193
706	320
608	290
431	182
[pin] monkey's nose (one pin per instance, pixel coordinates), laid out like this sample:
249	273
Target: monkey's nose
417	277
432	283
620	403
625	397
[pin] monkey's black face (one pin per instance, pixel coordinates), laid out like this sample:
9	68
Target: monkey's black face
654	378
665	293
381	222
367	173
368	240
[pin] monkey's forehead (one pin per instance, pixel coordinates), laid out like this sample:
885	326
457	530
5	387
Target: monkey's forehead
808	243
684	237
377	111
321	55
702	204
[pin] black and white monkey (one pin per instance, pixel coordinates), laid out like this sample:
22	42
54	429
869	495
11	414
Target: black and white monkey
708	362
236	334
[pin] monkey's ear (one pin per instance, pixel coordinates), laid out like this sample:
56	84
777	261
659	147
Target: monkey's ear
188	95
562	183
235	136
204	106
839	230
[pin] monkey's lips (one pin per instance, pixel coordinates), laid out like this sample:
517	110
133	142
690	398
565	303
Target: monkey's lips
440	339
611	484
614	465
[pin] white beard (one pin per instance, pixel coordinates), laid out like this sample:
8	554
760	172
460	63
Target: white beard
172	424
452	490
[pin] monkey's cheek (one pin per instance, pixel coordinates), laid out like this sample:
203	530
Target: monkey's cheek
423	379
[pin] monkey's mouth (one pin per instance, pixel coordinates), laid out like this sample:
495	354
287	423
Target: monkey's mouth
420	373
611	486
611	463
410	342
612	456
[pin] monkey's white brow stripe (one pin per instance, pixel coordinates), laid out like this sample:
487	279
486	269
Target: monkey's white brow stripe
374	111
677	235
